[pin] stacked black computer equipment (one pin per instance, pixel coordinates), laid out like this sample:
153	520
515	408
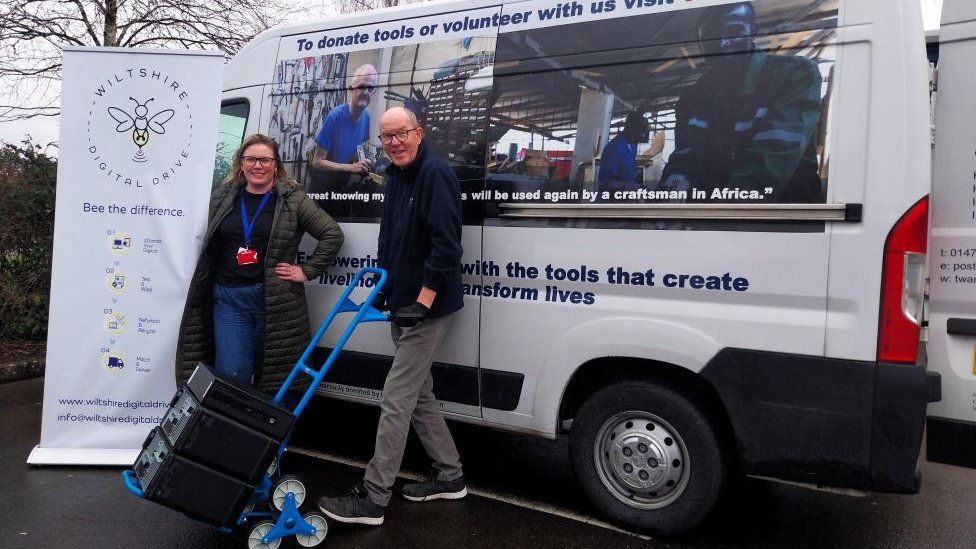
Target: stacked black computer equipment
215	444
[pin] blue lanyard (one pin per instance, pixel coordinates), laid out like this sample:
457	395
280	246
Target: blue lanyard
248	226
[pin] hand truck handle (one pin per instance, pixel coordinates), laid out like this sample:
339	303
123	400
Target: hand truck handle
364	313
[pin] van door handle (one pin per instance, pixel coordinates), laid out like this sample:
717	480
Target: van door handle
961	326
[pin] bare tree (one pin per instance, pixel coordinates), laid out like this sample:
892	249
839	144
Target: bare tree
349	6
32	33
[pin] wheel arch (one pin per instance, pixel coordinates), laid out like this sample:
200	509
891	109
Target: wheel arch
643	347
600	373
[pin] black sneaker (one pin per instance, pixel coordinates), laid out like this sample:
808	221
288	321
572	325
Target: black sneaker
431	488
353	508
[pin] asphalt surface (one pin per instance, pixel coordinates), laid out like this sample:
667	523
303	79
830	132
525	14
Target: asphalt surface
522	495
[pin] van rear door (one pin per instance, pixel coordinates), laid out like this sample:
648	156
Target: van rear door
952	320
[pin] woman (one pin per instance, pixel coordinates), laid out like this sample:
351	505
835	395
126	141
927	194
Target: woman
246	312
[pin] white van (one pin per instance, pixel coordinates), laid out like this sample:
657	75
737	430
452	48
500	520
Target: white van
694	231
951	428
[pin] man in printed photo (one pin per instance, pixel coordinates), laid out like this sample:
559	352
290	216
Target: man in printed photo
336	163
751	121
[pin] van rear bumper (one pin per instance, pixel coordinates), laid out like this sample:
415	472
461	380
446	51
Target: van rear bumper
951	441
824	421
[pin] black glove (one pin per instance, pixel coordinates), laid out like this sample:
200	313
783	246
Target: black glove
379	302
411	315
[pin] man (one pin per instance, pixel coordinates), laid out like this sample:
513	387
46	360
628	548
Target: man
618	163
420	246
336	158
751	121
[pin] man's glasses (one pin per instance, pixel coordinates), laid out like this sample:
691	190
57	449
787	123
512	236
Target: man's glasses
258	160
387	138
366	88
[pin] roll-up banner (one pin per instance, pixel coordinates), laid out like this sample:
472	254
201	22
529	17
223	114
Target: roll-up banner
138	137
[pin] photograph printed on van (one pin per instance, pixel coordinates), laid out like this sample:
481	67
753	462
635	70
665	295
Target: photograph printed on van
321	113
326	110
724	104
727	104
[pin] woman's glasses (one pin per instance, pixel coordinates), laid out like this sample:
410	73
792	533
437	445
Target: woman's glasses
264	161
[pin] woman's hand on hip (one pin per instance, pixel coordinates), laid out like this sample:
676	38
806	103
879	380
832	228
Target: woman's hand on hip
291	273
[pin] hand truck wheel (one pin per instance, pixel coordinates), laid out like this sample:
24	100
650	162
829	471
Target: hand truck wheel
288	483
260	530
321	530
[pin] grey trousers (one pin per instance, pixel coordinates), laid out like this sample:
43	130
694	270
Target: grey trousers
408	399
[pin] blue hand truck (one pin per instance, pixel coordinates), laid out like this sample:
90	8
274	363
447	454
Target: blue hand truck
283	493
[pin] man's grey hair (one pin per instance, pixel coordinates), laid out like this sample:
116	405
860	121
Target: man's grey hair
363	70
412	117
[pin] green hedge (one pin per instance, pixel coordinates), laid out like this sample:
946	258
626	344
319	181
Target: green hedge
27	183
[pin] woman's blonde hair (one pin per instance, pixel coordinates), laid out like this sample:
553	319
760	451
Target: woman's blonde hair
236	175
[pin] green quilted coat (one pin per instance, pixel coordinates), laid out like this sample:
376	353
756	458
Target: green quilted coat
287	331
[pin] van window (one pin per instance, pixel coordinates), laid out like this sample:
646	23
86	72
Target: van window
447	84
720	105
309	98
230	133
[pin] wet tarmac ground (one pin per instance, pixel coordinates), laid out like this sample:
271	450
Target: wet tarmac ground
521	495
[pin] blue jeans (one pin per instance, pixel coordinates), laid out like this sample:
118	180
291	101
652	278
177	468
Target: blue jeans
238	330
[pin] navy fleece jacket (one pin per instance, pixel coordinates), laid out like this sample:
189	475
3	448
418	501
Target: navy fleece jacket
420	234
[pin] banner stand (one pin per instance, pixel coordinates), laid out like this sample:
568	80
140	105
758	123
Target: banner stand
82	456
135	170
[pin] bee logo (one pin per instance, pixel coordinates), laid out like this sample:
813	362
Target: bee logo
141	123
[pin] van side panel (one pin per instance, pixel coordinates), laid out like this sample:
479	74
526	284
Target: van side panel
841	418
387	60
882	154
547	340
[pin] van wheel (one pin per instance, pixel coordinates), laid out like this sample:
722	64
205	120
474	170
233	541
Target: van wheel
648	457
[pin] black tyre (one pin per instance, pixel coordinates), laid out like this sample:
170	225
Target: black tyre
649	457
